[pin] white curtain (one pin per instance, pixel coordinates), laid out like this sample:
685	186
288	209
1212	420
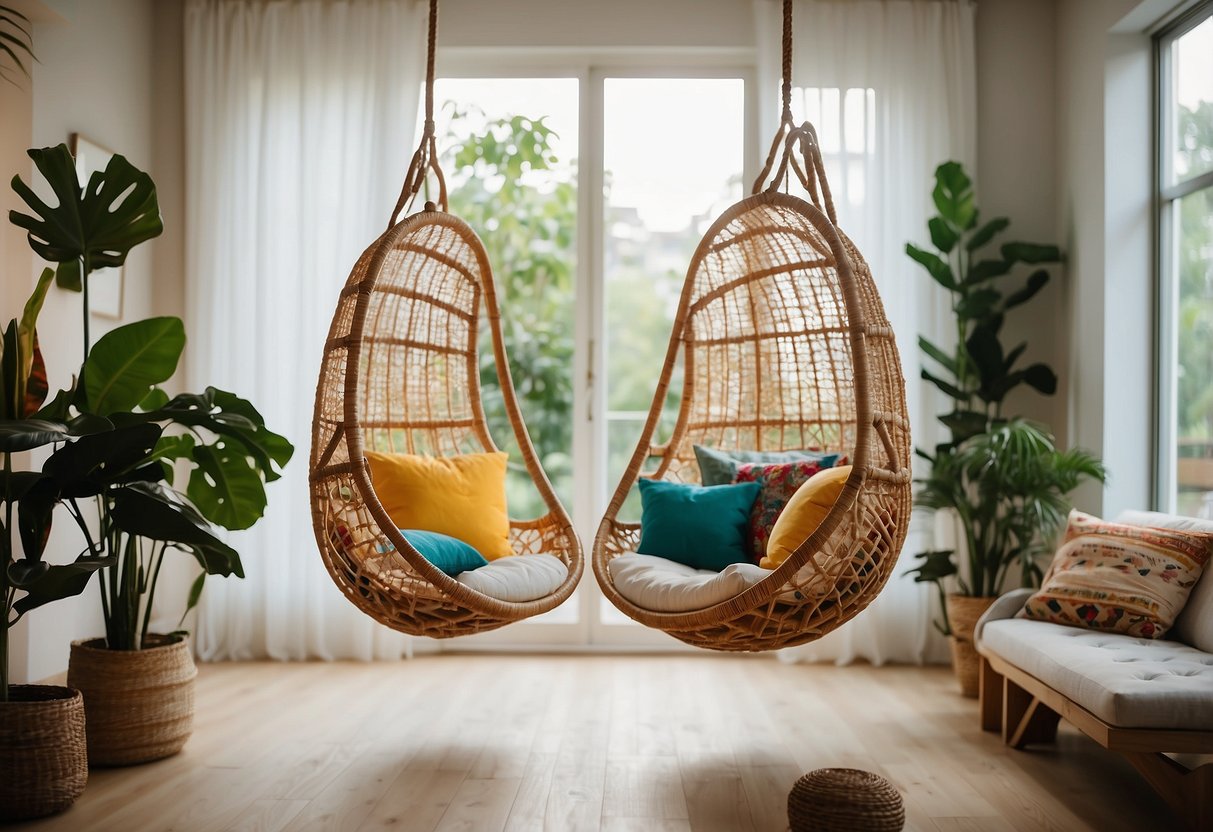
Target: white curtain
300	118
891	89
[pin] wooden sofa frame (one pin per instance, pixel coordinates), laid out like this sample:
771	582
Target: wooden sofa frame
1026	711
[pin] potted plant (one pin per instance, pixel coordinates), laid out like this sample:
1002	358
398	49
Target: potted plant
138	685
1008	488
43	767
974	474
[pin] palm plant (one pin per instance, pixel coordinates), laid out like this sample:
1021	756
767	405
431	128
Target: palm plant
15	41
1008	487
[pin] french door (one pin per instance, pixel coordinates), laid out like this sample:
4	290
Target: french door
591	187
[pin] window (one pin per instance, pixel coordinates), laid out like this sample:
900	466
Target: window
1185	263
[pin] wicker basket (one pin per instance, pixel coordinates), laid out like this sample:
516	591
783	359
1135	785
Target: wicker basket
140	703
963	612
43	765
844	800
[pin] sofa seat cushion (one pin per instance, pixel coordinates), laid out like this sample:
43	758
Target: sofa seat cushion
1126	681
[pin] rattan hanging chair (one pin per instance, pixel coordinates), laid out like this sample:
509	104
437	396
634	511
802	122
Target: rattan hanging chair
784	344
401	373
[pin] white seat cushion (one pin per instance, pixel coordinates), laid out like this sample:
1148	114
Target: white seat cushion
1126	681
662	585
1194	624
518	578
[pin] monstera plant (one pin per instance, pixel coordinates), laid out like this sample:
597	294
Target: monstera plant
141	474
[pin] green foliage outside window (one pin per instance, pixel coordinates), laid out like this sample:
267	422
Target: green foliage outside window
508	185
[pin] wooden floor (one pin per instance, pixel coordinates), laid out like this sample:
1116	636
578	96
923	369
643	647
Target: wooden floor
619	743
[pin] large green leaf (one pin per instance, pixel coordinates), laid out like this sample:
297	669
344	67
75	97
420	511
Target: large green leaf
986	351
225	487
986	270
150	510
35	511
986	233
126	362
935	265
63	581
949	389
953	196
936	565
964	423
224	414
263	445
978	304
943	236
116	211
948	362
85	467
1030	253
1041	378
1036	281
24	434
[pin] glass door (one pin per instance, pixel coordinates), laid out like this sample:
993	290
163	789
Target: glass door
589	259
510	158
671	160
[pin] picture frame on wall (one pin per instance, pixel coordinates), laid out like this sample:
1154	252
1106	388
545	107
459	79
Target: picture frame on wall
105	286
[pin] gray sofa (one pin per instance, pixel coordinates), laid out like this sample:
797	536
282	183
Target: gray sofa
1142	698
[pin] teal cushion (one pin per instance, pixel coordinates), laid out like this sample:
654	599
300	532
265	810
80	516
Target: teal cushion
449	554
700	526
720	467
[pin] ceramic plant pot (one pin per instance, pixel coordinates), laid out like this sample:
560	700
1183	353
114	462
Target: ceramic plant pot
963	612
139	703
43	763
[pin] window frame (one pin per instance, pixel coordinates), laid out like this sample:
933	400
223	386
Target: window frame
1166	196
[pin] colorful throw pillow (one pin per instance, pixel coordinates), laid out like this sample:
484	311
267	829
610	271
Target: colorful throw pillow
779	482
461	496
700	526
805	511
1120	578
718	467
450	554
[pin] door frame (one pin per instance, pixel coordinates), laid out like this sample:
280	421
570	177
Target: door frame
591	68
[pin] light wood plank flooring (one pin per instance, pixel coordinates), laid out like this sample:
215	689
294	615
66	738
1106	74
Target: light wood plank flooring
570	743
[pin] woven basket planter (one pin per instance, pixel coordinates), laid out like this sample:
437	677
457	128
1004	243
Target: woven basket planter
963	612
844	800
140	703
43	764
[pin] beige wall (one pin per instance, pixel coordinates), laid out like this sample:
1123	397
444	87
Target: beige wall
1016	172
1103	199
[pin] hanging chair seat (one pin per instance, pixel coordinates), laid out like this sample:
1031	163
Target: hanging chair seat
784	345
401	374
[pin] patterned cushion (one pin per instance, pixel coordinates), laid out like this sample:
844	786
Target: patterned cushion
1120	578
779	482
717	467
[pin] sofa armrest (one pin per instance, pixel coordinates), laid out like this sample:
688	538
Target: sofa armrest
1005	607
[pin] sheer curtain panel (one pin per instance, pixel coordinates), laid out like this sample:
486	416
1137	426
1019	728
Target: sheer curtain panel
891	87
300	120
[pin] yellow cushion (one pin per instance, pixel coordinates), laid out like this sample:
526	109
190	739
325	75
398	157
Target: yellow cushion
461	496
804	513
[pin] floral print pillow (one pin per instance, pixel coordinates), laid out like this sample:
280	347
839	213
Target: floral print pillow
779	482
1120	578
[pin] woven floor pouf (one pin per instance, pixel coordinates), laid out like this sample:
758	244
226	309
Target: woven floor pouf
844	800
